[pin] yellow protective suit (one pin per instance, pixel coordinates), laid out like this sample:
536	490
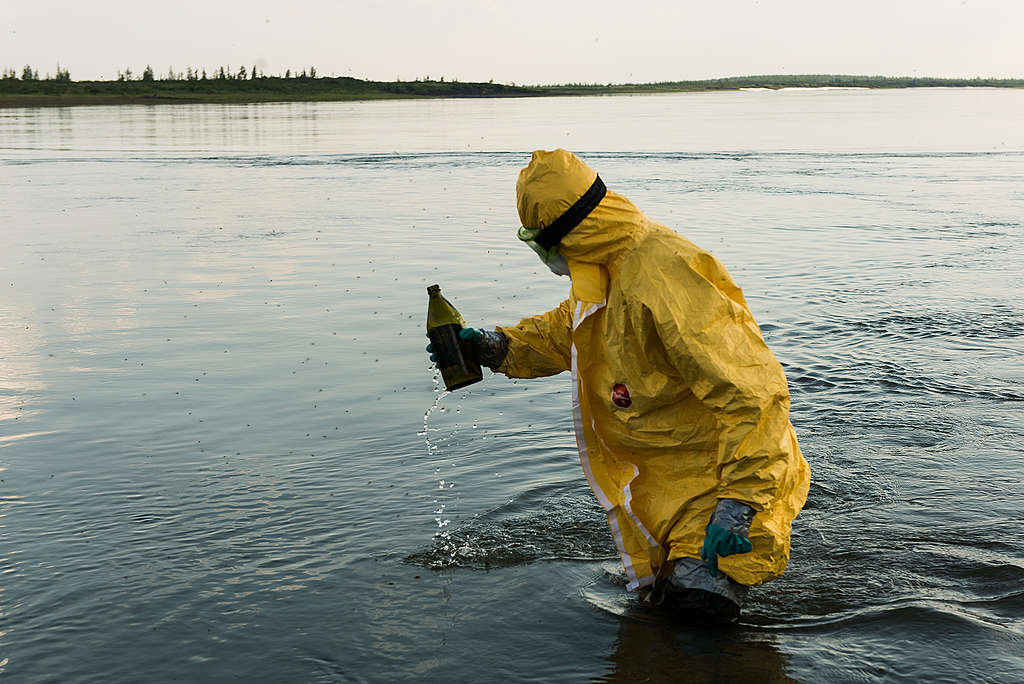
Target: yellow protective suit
677	399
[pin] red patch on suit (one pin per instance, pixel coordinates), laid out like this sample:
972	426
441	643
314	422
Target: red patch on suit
620	395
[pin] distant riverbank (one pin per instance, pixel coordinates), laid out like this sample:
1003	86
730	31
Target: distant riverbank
53	92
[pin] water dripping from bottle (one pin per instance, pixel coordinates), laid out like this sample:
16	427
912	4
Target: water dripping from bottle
442	534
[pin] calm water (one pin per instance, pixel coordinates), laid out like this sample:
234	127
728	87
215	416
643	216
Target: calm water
224	454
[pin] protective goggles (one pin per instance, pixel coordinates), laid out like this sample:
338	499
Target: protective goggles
529	236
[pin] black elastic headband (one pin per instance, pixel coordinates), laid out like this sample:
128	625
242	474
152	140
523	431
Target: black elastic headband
573	216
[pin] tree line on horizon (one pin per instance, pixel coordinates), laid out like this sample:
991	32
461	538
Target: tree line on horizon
30	74
223	73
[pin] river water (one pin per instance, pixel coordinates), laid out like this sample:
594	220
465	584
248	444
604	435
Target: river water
224	454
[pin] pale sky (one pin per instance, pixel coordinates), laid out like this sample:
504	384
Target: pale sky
526	41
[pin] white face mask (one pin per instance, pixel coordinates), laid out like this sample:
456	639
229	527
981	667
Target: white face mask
558	265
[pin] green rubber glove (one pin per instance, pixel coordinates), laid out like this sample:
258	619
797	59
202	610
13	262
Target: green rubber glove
468	334
719	541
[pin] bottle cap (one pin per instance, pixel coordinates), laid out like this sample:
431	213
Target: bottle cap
431	289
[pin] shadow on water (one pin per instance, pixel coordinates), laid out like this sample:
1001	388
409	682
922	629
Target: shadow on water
668	651
655	645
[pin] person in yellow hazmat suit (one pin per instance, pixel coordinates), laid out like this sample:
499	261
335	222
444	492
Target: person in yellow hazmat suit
681	411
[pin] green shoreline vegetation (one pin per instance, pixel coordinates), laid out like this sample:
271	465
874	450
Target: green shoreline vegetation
225	85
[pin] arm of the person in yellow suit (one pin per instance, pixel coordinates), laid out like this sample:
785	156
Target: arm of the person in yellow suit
540	345
716	346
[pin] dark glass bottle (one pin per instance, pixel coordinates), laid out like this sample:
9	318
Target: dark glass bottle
454	356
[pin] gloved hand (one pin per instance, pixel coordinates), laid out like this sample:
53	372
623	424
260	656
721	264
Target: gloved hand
471	335
489	347
727	533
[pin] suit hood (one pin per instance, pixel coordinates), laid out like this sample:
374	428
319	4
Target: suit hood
552	183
